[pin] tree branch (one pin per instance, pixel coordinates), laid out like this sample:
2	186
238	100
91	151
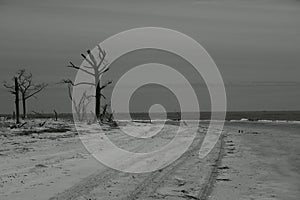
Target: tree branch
103	70
89	67
105	85
75	67
92	58
68	81
86	59
10	87
37	89
102	55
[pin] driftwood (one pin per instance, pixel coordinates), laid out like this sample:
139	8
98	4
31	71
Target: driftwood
42	123
18	125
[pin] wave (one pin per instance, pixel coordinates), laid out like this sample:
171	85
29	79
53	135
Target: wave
267	121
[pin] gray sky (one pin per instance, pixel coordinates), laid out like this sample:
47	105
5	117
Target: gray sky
254	43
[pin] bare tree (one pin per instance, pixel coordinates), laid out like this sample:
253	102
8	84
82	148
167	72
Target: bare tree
27	88
96	69
79	107
14	89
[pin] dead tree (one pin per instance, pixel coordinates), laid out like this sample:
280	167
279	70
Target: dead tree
81	106
14	89
27	88
23	83
95	69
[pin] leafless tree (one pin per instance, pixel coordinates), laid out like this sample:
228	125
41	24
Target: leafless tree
96	68
26	87
81	106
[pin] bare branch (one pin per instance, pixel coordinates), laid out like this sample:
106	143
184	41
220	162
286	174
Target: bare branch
68	81
92	58
102	96
86	59
102	55
75	67
5	84
89	67
37	89
105	85
102	52
103	70
84	83
10	87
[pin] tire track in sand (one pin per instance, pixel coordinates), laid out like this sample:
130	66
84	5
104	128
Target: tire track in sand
155	179
148	188
151	183
88	184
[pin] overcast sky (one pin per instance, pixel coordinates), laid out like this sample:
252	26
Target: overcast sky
255	43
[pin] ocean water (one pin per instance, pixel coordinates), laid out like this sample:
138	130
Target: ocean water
240	116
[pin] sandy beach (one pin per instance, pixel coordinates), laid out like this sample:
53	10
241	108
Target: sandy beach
150	100
261	161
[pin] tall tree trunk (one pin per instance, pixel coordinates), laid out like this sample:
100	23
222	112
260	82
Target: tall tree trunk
24	106
98	96
17	100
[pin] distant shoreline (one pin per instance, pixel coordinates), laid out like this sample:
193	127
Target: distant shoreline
258	116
